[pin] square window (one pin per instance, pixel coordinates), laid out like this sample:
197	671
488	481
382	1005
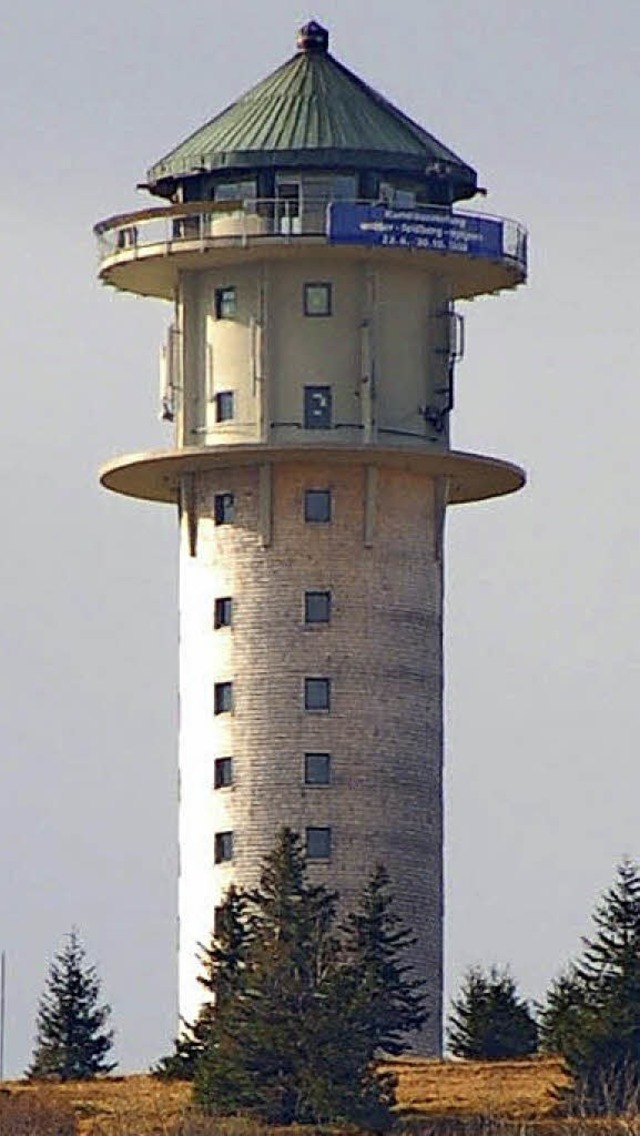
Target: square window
317	408
224	406
226	302
223	698
223	509
317	693
318	843
317	506
317	298
317	607
317	769
223	772
223	847
222	613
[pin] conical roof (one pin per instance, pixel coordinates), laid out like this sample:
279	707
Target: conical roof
311	112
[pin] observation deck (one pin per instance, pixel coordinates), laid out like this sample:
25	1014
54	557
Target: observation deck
144	251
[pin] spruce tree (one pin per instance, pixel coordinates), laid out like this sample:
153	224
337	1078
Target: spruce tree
392	1002
592	1013
72	1038
489	1021
223	962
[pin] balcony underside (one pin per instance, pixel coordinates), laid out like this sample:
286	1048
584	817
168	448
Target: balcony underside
157	476
153	270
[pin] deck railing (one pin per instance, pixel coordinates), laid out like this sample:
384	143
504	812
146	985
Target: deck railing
205	224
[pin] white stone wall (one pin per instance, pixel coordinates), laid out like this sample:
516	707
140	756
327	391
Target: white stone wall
382	651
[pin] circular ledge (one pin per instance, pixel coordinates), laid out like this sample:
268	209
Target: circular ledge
157	475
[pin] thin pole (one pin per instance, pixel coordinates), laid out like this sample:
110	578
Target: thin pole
3	984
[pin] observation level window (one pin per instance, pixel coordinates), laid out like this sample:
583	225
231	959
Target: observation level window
223	772
223	847
317	506
223	509
222	612
226	302
223	698
224	406
318	844
317	607
317	408
317	298
317	768
317	693
235	190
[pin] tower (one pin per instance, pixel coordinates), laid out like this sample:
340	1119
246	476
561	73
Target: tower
310	249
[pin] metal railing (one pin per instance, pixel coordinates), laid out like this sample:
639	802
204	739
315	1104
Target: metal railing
205	224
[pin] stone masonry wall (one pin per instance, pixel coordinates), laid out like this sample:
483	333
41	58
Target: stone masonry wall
382	651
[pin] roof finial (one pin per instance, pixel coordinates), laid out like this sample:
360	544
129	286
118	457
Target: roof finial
313	37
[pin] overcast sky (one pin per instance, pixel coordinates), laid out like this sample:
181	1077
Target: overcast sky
543	620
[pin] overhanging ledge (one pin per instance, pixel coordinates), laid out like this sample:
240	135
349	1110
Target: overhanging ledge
157	475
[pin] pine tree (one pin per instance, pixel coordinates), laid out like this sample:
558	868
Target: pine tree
489	1020
393	1003
72	1041
592	1013
292	1044
223	963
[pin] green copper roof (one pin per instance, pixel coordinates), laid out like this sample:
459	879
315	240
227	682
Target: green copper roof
312	111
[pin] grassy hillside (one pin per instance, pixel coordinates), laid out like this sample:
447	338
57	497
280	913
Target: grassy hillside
143	1106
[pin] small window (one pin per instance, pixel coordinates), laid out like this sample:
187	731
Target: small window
317	299
224	406
223	772
317	769
317	607
223	698
223	847
226	303
317	408
317	693
222	613
317	506
223	509
318	843
218	920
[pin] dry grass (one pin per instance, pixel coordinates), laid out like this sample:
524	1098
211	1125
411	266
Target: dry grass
437	1098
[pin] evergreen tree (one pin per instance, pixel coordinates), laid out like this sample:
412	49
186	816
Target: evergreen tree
489	1020
392	1002
72	1040
592	1013
223	964
290	1045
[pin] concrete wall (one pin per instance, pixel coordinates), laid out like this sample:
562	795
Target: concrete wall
382	651
383	351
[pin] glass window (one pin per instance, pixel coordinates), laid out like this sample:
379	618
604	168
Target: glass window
318	843
317	505
317	607
222	612
317	693
218	920
226	302
317	408
317	769
317	298
223	772
224	406
223	509
235	191
223	847
223	698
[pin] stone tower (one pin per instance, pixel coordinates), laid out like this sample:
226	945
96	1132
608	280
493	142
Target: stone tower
310	251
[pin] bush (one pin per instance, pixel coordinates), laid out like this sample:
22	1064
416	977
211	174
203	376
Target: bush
26	1115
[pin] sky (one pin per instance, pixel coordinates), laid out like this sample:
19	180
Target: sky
542	617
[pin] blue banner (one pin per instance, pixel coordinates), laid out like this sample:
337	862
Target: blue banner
384	225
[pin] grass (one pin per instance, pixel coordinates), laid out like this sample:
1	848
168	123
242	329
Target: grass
435	1098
